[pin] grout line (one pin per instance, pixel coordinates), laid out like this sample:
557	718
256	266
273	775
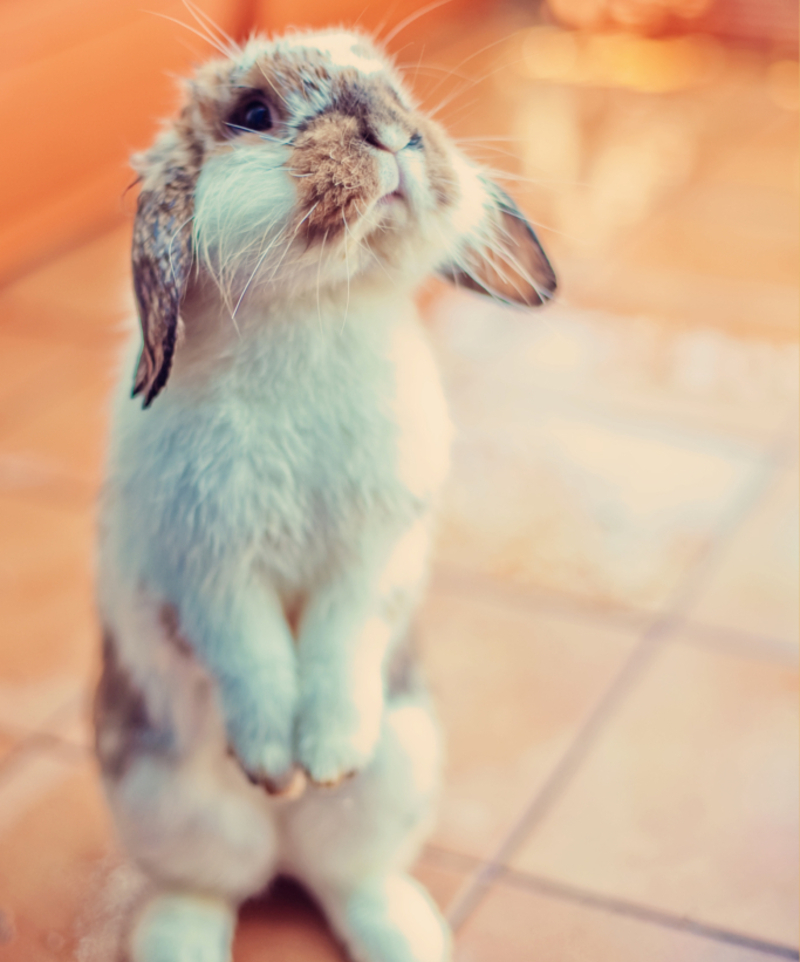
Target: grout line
43	739
448	858
41	745
456	580
744	644
458	861
450	579
42	742
475	888
644	913
82	238
629	416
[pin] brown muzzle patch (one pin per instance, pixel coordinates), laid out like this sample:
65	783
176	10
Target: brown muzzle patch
337	175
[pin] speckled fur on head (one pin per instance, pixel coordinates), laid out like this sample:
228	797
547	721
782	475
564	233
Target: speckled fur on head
348	180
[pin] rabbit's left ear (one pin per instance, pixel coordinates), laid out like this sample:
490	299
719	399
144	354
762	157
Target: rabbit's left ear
162	259
501	256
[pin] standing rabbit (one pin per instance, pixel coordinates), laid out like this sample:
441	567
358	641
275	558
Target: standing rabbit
266	516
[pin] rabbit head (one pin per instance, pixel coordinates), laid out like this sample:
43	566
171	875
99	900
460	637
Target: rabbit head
301	164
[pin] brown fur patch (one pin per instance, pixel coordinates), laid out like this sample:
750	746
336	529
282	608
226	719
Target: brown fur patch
281	74
293	612
170	622
403	675
372	102
438	161
336	174
162	258
123	727
515	268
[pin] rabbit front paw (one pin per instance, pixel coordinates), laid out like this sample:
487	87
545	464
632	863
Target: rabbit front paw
259	722
266	757
334	741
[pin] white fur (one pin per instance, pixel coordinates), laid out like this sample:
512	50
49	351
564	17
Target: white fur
347	50
178	928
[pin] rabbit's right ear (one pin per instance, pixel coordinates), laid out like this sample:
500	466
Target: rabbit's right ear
162	258
500	254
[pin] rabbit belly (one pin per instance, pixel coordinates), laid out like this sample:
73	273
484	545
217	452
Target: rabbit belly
299	456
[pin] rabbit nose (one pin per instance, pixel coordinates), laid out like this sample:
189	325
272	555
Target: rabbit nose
387	137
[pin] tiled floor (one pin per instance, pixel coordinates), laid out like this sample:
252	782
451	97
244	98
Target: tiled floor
612	627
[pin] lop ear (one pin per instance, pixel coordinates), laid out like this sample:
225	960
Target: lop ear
501	256
162	259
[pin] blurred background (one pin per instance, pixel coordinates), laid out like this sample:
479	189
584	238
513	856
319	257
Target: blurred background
612	627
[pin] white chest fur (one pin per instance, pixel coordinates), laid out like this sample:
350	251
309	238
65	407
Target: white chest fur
293	440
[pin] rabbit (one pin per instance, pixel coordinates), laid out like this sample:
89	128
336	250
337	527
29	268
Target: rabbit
267	511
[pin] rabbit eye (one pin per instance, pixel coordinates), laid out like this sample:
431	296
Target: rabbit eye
416	141
253	115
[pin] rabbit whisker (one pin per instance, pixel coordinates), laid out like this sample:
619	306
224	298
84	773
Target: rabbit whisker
170	246
511	261
204	21
411	18
347	270
203	36
255	270
277	92
472	56
430	68
458	92
291	240
319	275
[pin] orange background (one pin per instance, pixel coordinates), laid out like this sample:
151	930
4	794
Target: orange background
81	82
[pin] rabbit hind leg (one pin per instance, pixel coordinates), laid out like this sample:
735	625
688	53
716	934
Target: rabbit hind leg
351	846
207	842
187	815
181	927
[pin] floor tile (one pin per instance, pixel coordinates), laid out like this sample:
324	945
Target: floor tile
24	360
54	431
693	377
27	776
39	481
740	306
67	438
547	492
285	925
60	386
689	801
442	880
52	704
512	689
82	297
51	853
7	742
615	159
49	634
66	893
516	925
755	587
